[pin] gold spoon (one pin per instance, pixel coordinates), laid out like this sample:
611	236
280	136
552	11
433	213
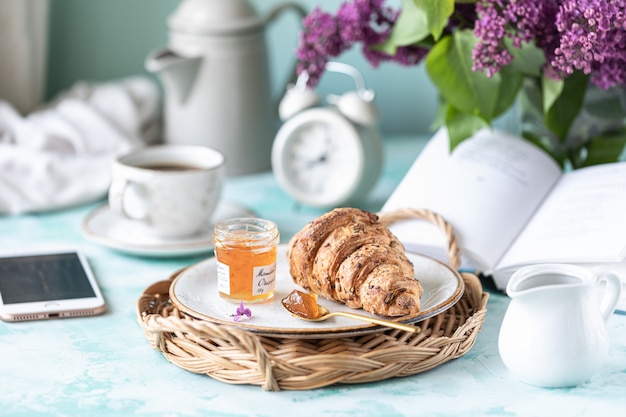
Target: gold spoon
324	314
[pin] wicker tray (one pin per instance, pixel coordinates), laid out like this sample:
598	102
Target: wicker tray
237	356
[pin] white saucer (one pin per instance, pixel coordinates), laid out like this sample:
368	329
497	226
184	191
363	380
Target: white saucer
103	226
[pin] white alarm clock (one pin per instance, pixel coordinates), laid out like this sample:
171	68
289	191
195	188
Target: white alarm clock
332	155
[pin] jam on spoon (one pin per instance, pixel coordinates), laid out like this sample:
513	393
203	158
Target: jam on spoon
304	306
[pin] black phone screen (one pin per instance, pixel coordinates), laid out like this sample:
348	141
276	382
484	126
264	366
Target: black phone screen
33	278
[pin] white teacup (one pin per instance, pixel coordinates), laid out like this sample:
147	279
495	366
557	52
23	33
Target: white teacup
173	189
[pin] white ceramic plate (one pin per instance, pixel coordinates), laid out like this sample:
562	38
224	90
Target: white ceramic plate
194	291
107	228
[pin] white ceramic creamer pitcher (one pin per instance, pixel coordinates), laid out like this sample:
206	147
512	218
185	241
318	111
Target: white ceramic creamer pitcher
554	330
216	81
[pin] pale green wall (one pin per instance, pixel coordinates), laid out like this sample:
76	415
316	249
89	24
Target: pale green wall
99	40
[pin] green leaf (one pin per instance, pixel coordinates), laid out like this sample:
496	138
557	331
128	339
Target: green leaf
552	89
449	66
528	59
437	14
462	126
410	28
605	148
564	109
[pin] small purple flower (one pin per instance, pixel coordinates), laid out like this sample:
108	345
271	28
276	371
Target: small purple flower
242	311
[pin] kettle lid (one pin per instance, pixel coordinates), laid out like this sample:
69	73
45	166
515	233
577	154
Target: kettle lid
215	17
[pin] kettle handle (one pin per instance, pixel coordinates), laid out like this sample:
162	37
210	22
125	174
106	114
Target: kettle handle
612	289
276	11
273	15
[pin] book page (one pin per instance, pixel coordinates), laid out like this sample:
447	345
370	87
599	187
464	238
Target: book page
421	188
583	220
487	189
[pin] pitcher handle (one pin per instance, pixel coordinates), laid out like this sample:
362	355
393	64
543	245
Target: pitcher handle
273	15
612	291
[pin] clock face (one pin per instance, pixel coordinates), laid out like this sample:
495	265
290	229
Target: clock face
318	157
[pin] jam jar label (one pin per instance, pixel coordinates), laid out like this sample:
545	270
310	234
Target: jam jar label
223	278
264	279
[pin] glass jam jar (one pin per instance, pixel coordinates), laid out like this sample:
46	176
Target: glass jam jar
245	250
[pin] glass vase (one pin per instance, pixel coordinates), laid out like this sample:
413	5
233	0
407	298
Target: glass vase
596	135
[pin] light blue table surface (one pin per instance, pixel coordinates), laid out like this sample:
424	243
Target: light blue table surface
104	366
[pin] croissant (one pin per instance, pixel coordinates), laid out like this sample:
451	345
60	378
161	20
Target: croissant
346	255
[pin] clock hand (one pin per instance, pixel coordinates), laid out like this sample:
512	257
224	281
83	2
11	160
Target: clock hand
319	160
324	156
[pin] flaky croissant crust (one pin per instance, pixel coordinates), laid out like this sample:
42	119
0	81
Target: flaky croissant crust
346	255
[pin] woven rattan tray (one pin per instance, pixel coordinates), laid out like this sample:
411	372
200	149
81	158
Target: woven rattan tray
238	356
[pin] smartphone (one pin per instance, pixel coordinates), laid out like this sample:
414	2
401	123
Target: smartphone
47	285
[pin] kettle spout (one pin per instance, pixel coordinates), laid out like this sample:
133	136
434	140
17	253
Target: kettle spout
177	73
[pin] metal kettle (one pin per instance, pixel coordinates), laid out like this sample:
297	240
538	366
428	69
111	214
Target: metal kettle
215	76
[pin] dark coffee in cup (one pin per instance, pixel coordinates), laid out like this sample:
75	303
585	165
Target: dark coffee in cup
170	166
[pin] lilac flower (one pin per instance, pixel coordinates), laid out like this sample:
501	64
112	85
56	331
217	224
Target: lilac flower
575	35
593	40
319	40
583	35
367	22
521	21
242	311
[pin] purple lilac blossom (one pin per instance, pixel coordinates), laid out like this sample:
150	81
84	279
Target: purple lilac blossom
522	21
593	40
367	22
584	35
319	40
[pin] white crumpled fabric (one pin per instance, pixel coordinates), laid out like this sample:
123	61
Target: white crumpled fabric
61	155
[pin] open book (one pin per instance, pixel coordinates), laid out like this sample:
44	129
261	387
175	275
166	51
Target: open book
511	205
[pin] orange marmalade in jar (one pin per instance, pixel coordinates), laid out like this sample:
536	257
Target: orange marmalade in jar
245	250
